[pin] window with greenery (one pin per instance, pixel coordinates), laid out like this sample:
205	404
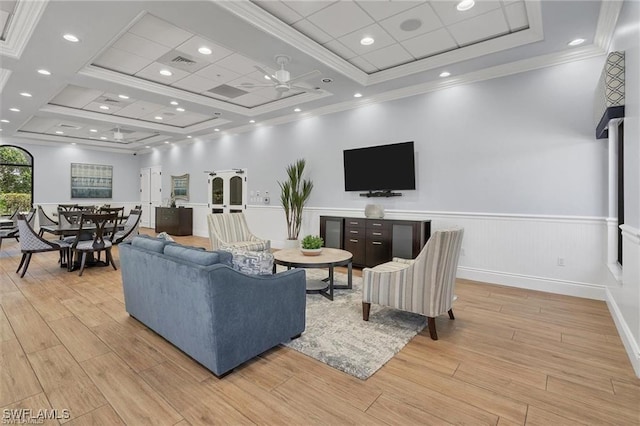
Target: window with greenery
16	179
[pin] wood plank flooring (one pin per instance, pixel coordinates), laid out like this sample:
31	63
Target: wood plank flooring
511	357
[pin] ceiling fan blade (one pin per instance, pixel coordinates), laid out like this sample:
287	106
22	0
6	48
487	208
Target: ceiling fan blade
251	85
266	73
305	76
305	89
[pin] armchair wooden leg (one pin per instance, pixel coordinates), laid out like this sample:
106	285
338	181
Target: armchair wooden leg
110	259
366	308
26	265
83	262
24	256
451	314
431	322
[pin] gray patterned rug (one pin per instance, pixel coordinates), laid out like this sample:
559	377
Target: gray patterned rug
336	334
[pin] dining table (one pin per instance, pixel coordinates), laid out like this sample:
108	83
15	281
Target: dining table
67	230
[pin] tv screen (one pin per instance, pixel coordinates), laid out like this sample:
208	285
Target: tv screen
380	168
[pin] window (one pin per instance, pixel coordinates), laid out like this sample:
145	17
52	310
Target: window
16	179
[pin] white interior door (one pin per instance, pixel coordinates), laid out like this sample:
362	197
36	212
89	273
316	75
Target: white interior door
150	194
228	191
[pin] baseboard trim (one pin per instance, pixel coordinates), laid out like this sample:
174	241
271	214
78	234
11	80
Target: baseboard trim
530	282
629	342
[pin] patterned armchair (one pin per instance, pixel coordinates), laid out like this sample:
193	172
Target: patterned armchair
423	286
230	230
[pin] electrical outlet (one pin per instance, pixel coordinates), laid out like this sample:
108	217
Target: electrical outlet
561	261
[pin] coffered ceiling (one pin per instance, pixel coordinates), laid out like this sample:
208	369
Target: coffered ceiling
144	73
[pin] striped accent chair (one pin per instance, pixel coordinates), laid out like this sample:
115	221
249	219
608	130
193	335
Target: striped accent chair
230	230
423	285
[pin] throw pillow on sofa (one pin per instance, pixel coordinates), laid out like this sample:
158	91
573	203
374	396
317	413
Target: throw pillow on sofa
251	262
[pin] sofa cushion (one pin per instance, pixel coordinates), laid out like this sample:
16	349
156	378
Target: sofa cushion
196	255
148	243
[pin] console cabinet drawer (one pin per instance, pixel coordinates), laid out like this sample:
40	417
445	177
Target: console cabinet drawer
357	247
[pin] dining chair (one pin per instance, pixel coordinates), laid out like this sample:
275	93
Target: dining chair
99	225
130	228
10	220
118	210
423	285
67	207
8	233
31	243
44	220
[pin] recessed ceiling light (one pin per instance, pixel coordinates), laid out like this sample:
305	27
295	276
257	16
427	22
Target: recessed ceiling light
71	38
25	94
189	137
59	132
297	110
14	109
44	72
166	141
123	96
266	77
357	95
73	143
204	50
173	103
252	121
367	41
104	107
465	5
180	109
5	121
166	73
216	130
104	138
445	74
93	130
327	80
576	42
147	146
157	117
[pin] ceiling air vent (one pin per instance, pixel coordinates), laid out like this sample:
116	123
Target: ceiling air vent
227	91
182	60
69	126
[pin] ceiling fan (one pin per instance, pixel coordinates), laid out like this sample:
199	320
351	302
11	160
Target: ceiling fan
281	79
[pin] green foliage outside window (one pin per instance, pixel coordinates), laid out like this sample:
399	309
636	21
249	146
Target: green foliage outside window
15	180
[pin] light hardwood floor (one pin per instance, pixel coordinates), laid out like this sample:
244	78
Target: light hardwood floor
511	357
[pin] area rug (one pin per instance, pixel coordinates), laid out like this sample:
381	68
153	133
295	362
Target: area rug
336	334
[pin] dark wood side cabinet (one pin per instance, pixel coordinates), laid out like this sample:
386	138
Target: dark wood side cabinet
174	220
375	241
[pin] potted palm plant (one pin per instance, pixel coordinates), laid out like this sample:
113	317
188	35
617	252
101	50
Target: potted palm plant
295	192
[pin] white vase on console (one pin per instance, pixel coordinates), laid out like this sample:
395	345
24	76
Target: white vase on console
374	211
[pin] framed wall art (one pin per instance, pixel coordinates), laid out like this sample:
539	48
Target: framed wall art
180	187
91	180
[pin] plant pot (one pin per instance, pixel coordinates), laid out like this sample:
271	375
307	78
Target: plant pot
311	252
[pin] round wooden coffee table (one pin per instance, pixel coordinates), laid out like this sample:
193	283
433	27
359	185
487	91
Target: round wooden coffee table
329	258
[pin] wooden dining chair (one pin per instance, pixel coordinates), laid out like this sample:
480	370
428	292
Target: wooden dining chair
99	225
44	220
67	207
31	243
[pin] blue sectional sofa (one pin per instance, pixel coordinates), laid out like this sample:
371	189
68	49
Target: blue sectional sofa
217	315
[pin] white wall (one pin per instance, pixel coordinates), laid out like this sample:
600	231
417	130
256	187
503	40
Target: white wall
52	172
624	297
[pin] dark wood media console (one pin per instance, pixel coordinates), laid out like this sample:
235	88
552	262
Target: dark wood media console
375	241
174	220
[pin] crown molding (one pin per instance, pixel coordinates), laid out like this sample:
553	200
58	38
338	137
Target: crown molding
268	23
21	27
517	67
49	140
609	12
4	77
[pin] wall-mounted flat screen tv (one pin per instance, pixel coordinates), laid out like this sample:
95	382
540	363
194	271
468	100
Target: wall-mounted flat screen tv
380	168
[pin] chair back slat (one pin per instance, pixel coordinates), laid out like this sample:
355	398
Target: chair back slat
104	224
